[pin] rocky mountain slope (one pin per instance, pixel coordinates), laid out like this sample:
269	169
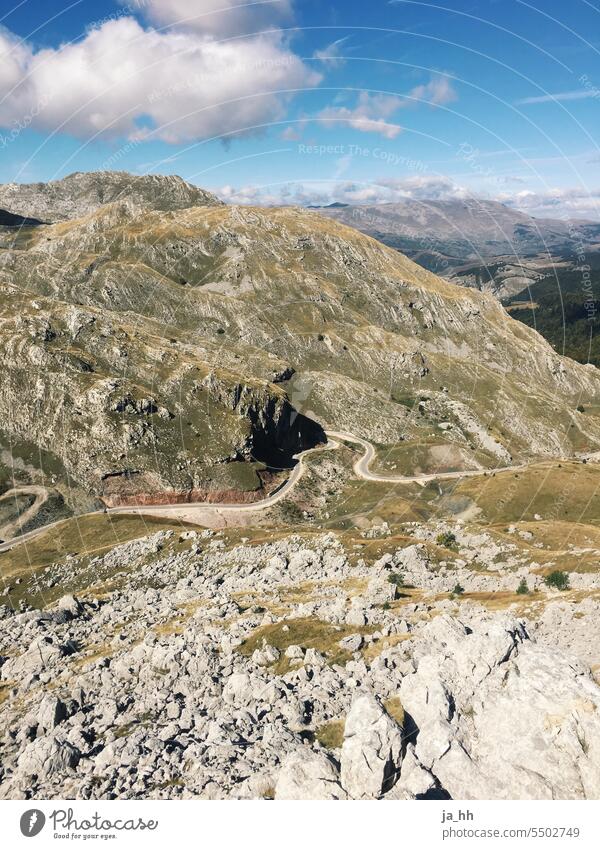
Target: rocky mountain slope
161	354
358	639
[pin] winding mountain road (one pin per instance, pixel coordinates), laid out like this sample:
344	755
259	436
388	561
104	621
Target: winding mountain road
186	511
361	466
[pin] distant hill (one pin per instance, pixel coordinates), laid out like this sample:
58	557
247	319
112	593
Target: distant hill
442	235
565	309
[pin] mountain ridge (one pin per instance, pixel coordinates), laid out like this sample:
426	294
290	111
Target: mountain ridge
186	343
83	192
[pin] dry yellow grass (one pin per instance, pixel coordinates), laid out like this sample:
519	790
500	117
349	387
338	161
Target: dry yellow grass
308	633
331	734
394	707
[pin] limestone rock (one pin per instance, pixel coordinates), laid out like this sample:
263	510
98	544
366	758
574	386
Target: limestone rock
306	775
372	749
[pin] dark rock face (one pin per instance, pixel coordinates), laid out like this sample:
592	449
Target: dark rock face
9	219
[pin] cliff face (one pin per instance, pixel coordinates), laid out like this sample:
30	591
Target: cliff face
142	346
126	412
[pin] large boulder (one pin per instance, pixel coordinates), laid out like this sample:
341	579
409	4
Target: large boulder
41	653
48	756
52	711
307	775
372	749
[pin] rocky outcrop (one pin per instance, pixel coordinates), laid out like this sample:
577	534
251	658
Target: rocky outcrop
372	750
127	437
306	776
489	696
80	194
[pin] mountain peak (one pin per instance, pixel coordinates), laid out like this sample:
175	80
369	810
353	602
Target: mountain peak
80	193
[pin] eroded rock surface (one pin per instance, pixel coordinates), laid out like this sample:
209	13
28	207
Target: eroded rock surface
214	670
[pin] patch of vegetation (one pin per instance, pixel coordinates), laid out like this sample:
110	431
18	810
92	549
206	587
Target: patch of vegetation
308	633
504	498
331	734
291	514
458	590
396	578
523	589
561	309
446	540
395	709
557	580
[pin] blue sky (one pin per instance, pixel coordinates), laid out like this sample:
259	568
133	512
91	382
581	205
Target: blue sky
310	102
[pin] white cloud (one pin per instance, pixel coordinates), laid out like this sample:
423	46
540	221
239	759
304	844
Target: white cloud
424	187
219	18
323	192
123	80
295	131
372	112
330	55
368	116
580	94
556	203
437	91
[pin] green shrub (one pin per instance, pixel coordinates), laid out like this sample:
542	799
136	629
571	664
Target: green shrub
458	590
447	539
557	580
523	589
580	408
396	578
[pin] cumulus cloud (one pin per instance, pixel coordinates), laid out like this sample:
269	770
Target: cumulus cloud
425	187
219	18
368	116
123	80
437	91
321	193
372	112
556	203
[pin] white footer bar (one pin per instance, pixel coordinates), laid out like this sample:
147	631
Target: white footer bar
310	825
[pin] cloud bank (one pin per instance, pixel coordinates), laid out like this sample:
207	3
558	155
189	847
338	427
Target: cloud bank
553	203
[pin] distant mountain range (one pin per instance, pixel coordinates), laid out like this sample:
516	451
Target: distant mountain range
546	271
444	235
